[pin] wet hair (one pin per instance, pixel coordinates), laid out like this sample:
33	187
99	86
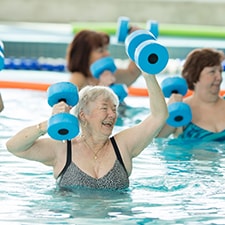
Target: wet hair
91	93
79	50
197	60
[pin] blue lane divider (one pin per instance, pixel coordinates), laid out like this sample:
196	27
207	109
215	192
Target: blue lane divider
47	64
2	57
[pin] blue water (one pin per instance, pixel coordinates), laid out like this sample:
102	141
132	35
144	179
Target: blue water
173	182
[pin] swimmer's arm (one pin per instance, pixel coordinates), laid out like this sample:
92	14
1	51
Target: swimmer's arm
166	131
128	75
138	137
27	144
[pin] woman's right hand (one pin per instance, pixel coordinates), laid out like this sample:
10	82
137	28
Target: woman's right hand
175	98
106	78
61	107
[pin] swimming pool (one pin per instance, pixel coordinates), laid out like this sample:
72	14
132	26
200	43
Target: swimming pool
173	182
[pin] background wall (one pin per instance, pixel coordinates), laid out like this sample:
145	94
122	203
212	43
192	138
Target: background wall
208	12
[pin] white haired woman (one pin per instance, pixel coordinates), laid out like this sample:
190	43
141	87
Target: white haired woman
96	158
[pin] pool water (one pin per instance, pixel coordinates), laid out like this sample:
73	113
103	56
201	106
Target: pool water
173	182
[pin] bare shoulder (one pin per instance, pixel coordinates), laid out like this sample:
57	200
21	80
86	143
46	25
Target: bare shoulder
78	79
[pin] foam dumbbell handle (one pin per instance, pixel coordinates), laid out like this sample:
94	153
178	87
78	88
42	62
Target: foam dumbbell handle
63	91
99	66
63	126
179	114
122	28
172	85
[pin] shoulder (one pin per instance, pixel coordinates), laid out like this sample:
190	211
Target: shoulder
78	79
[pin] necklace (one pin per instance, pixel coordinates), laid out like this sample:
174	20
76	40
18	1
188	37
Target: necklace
95	153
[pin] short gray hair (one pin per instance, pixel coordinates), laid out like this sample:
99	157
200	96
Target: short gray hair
91	93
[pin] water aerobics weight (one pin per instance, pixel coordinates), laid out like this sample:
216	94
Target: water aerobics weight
123	28
142	47
63	126
107	63
179	112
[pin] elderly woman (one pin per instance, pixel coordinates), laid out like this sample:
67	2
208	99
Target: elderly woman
95	158
203	72
87	47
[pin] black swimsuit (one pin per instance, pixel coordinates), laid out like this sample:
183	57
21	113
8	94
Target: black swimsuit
72	176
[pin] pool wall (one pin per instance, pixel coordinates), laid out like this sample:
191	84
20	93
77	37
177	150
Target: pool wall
51	40
165	11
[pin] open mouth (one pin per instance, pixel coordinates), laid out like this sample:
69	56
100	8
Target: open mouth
107	123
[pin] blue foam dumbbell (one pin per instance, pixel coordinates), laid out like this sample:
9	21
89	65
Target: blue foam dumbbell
142	47
153	27
123	28
107	63
179	112
63	126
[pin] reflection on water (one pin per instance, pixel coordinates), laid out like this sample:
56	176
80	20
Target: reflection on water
173	181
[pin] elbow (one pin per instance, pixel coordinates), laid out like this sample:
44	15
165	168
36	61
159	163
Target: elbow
9	146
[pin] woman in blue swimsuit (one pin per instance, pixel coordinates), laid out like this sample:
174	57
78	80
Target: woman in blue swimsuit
96	158
203	72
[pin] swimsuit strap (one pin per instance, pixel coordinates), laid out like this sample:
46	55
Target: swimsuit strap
68	158
69	155
117	151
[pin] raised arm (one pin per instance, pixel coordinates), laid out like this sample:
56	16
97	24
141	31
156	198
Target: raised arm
135	139
128	75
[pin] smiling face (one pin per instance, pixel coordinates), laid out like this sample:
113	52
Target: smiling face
100	116
210	80
97	110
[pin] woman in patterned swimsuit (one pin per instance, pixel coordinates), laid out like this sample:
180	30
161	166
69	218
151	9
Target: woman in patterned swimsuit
203	72
96	158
